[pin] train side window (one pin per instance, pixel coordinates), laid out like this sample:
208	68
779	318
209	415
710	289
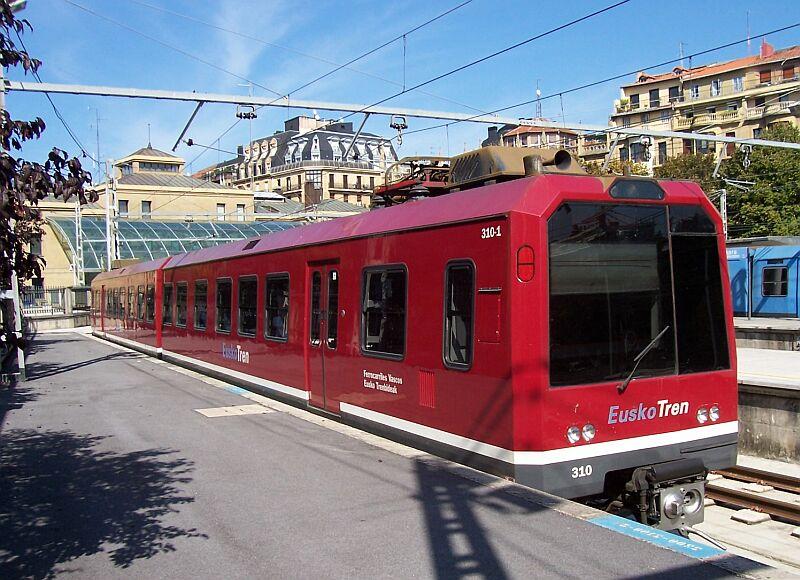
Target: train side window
383	311
200	304
131	301
247	304
316	306
224	304
459	305
181	299
775	281
277	307
166	309
140	303
122	301
333	309
150	303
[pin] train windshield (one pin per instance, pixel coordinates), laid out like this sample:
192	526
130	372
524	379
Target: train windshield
619	275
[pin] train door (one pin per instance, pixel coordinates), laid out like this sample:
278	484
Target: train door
322	339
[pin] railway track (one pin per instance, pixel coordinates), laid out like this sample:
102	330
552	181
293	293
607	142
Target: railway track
786	509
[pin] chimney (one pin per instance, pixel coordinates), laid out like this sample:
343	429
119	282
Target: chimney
767	49
492	135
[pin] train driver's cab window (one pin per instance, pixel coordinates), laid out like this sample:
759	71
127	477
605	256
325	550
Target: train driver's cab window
277	303
181	298
383	311
150	303
166	309
140	303
775	281
459	305
200	304
248	297
224	305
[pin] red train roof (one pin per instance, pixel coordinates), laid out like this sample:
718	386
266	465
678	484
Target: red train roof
527	195
136	268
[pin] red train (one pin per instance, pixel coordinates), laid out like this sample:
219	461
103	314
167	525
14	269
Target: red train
571	332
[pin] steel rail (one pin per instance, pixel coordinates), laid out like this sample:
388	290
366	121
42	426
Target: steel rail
787	511
777	480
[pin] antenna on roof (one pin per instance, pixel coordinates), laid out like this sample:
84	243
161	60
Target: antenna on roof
748	33
680	51
538	100
149	143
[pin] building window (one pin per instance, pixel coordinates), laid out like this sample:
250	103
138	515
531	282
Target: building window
122	207
148	166
623	153
665	115
654	101
738	84
358	182
674	94
626	121
383	311
634	101
788	73
645	117
716	87
765	76
372	183
220	212
181	299
166	307
224	304
126	169
330	180
694	91
662	151
760	101
733	105
240	212
277	307
147	207
248	298
200	304
459	305
150	303
36	246
314	178
344	182
775	281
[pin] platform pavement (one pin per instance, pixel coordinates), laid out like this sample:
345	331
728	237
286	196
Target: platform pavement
108	470
762	323
769	368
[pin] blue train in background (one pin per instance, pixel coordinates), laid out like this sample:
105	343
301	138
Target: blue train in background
764	276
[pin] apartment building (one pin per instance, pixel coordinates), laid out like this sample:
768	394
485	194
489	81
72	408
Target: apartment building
736	98
310	161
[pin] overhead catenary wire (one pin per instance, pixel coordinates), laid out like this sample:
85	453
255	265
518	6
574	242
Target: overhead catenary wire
171	47
602	81
292	50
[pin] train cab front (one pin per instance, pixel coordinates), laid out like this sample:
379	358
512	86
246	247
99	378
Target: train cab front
640	395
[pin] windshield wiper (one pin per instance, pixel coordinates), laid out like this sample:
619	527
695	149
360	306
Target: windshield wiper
638	359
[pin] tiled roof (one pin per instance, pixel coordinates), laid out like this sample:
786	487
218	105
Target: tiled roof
277	206
719	67
523	129
165	179
340	206
150	152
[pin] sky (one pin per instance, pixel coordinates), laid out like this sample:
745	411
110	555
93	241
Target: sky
282	44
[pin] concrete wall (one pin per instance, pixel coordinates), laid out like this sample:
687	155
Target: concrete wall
776	339
769	422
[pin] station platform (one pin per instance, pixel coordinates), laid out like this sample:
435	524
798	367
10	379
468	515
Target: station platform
767	333
115	464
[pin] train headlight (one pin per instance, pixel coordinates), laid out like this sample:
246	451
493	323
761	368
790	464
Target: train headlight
713	413
588	432
692	501
702	415
573	434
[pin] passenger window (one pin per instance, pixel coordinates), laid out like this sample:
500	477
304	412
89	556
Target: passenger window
224	305
140	303
122	302
316	297
248	296
131	301
181	298
200	304
459	305
150	303
166	310
333	308
775	281
383	311
277	307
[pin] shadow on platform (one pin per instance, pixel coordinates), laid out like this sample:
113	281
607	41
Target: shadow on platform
63	499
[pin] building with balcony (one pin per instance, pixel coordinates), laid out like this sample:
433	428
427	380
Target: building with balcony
736	98
310	161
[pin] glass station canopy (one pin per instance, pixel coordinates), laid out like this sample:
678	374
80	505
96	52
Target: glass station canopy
146	240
